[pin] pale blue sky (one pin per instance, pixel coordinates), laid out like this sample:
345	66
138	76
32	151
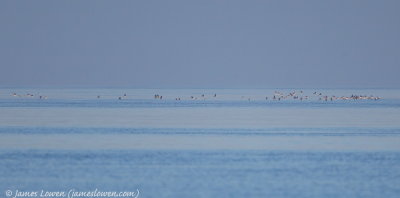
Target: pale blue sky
200	44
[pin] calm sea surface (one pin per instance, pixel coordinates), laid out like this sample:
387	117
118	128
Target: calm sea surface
202	143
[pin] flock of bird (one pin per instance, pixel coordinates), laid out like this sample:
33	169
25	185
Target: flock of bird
28	95
293	95
299	96
277	96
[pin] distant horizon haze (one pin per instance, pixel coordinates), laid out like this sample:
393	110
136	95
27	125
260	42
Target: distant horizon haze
200	44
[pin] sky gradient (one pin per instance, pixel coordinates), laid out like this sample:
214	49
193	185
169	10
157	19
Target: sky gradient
200	44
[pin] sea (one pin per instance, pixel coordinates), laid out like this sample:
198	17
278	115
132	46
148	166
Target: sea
183	143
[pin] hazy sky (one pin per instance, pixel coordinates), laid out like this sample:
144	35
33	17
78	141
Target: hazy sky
200	44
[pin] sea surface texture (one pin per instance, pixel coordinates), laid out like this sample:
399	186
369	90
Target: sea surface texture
270	143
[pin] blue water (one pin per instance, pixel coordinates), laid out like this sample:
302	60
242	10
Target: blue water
143	103
234	145
207	173
344	131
